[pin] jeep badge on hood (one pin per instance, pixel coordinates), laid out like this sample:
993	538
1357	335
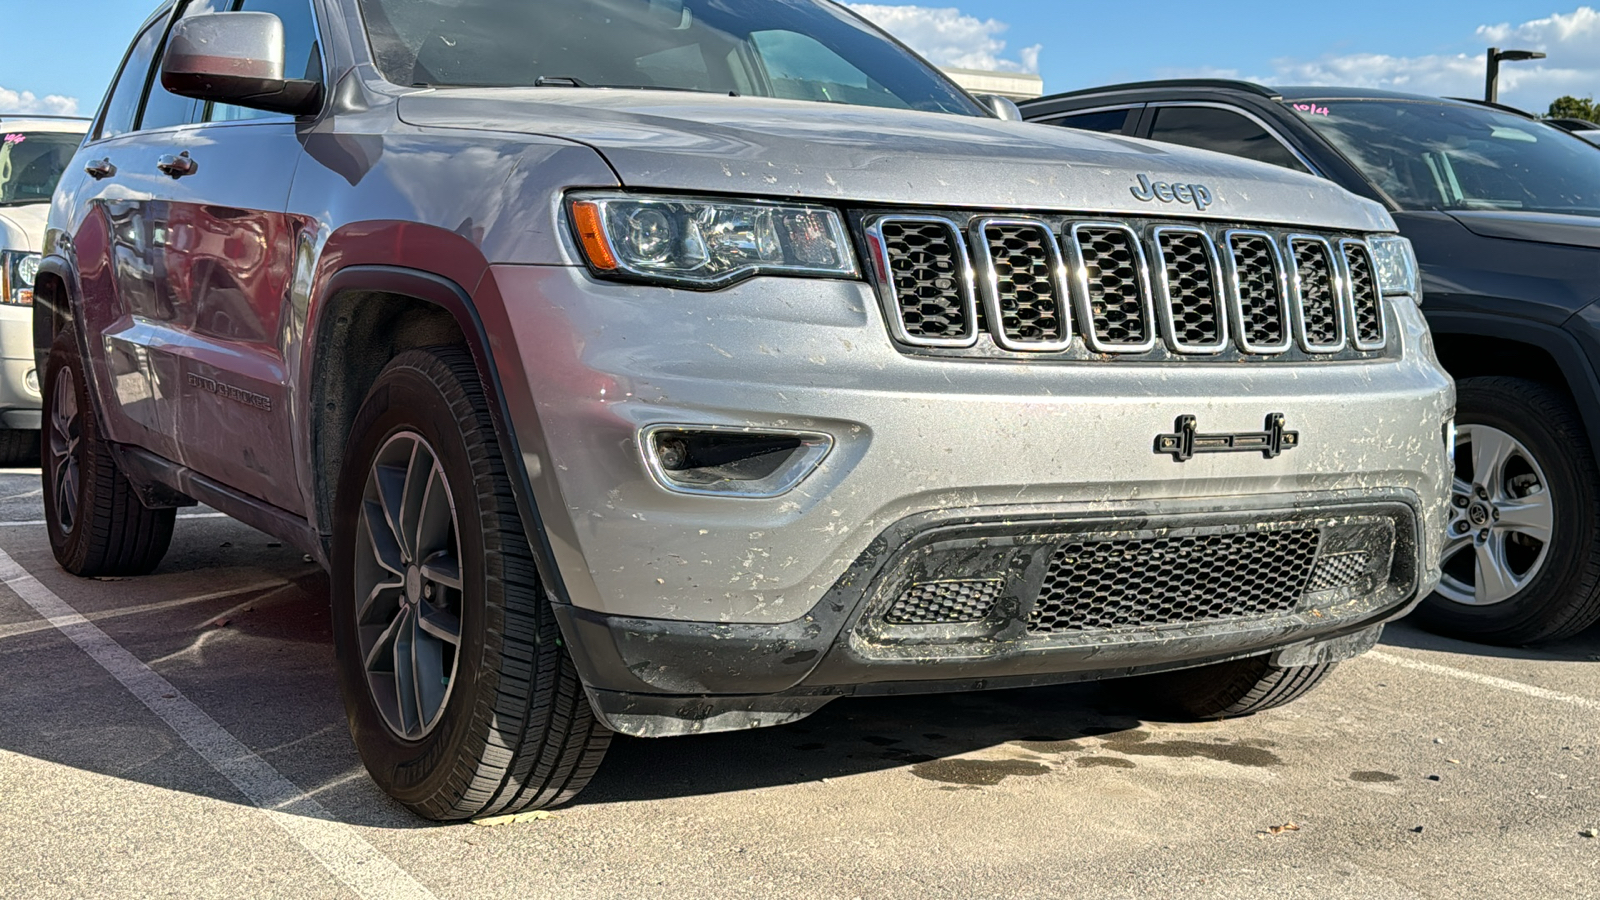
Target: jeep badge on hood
1197	194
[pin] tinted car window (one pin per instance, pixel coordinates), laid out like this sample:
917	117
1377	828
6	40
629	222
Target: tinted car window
302	56
122	107
1109	121
1208	128
162	108
800	49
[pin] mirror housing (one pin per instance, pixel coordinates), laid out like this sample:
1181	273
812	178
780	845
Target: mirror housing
1003	108
236	58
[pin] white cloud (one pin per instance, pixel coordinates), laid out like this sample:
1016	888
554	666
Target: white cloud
948	37
28	102
1572	41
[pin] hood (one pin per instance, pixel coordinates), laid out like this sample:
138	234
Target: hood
1545	228
757	146
22	227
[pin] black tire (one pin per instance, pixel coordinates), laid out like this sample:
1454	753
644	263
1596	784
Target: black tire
1562	598
100	529
1240	687
19	448
515	730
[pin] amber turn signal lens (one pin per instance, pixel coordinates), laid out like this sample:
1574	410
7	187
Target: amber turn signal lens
592	235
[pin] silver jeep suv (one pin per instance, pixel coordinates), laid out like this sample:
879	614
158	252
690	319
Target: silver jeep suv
672	366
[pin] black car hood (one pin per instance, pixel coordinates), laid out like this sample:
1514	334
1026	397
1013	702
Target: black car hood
1545	228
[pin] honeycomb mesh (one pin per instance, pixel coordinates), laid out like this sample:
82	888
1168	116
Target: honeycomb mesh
1116	297
1260	298
1030	302
1340	570
945	603
1102	584
1364	291
1191	289
1319	299
925	267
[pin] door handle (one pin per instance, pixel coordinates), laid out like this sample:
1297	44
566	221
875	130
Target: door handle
100	169
178	166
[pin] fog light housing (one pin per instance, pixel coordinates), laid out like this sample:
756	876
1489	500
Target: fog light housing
31	381
721	461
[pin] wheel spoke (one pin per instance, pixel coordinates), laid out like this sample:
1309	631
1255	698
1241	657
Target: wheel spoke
1532	515
381	656
431	680
364	615
1491	450
419	471
405	672
443	569
439	624
391	484
1495	580
1455	545
435	518
385	550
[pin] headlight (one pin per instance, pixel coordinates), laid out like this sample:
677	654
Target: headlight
1396	263
705	243
18	270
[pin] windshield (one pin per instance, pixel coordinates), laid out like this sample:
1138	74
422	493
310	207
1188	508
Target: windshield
791	49
1444	156
31	162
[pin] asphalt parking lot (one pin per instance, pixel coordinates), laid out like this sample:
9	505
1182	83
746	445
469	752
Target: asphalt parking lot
181	736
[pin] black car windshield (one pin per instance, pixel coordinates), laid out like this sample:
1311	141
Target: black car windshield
792	49
31	162
1449	156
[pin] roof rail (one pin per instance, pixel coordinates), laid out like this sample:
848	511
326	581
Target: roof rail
1214	83
13	116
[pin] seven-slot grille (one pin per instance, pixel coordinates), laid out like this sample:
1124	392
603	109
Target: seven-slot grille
1123	288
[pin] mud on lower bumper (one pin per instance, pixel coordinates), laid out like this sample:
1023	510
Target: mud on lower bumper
989	598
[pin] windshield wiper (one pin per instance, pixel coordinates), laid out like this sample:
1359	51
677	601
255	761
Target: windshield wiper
569	81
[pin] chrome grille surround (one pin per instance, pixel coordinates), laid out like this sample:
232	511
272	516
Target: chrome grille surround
1318	290
1367	329
1263	322
1014	311
1115	306
905	279
1194	319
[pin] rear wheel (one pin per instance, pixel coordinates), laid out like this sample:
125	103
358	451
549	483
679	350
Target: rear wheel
97	525
461	698
1240	687
1521	561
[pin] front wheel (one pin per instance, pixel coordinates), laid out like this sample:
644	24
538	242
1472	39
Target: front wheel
461	699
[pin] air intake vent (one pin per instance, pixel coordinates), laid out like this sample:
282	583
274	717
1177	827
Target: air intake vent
1317	285
1263	310
1115	287
925	263
1021	274
1364	299
1191	304
945	603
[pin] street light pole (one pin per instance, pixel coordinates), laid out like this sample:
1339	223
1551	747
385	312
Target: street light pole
1491	84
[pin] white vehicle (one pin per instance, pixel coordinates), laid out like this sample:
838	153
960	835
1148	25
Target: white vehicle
34	152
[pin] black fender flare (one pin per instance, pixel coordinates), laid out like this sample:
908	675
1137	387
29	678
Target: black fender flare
453	299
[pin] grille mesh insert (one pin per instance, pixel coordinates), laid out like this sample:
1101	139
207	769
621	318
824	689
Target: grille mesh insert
1102	584
1030	301
945	603
1319	298
1116	295
1260	294
1364	291
926	271
1340	570
1191	289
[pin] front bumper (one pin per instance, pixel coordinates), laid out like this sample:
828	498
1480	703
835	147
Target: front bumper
588	366
19	401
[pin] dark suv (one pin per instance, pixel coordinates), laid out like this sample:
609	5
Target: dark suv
673	366
1502	210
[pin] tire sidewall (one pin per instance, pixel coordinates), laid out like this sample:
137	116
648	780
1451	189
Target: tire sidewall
407	399
68	546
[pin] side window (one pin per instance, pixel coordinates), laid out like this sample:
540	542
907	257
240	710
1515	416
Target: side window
163	109
122	107
302	56
1106	121
1208	128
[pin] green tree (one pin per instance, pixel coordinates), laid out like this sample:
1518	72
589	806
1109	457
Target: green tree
1574	108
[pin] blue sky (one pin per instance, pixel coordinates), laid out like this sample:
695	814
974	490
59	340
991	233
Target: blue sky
69	48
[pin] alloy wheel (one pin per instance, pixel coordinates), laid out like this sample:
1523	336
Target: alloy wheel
408	587
66	442
1501	519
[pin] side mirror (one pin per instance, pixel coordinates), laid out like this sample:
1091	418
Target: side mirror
235	58
1002	107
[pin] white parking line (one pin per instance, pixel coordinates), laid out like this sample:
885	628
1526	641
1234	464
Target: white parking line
1503	684
340	849
11	631
44	522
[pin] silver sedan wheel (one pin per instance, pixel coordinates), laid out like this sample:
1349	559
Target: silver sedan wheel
1501	518
66	437
408	588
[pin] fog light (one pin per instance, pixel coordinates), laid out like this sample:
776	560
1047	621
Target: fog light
731	462
31	380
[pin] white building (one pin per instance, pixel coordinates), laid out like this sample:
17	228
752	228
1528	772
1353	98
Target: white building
1015	85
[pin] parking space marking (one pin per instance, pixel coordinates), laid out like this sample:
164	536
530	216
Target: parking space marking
11	631
38	522
337	846
1503	684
